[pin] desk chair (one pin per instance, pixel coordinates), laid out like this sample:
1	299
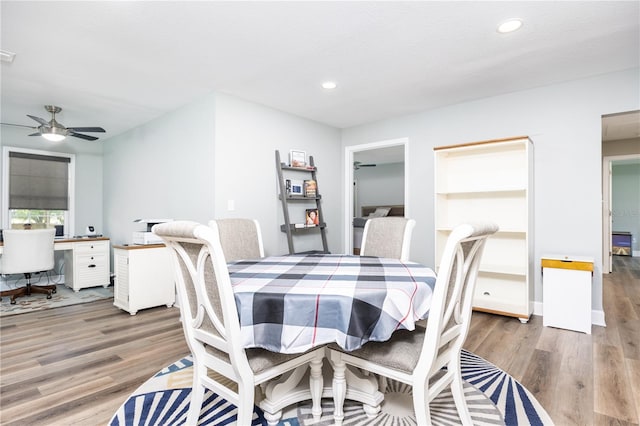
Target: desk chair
387	237
212	329
239	238
418	358
26	252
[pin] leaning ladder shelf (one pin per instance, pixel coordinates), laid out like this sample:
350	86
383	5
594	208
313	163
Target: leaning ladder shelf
293	229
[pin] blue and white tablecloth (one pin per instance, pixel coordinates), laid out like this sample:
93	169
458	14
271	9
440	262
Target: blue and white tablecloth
290	304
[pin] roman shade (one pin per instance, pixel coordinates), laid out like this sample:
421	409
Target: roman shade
38	181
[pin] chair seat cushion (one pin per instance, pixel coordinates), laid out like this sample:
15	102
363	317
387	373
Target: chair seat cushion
262	359
401	352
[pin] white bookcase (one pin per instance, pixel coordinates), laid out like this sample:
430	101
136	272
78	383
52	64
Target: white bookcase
144	277
492	181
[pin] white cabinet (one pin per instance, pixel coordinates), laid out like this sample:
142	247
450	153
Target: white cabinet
87	264
144	277
491	181
567	279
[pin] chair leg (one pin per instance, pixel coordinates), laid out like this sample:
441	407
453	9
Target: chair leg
457	389
421	406
15	293
245	405
42	289
197	397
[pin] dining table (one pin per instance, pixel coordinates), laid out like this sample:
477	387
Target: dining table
293	303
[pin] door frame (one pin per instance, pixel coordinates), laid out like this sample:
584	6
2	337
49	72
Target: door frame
607	193
348	180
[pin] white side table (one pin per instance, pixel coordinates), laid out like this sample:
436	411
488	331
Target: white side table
566	292
144	277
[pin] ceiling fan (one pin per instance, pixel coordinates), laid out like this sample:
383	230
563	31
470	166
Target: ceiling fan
358	164
54	131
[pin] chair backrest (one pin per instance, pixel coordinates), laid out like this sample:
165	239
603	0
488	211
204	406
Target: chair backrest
27	250
387	237
207	305
240	238
451	307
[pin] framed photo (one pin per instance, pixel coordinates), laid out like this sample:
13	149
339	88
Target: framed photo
310	188
297	158
296	188
311	217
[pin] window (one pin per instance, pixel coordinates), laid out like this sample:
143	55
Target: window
38	189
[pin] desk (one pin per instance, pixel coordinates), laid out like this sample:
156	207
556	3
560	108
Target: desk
293	303
86	261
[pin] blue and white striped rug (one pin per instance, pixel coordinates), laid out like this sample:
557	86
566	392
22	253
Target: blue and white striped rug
493	397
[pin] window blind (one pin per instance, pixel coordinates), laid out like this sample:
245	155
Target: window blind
38	181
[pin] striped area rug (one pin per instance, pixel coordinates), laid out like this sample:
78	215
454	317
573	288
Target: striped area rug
493	397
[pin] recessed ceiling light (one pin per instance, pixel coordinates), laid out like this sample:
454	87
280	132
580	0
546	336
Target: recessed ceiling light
7	56
509	26
329	85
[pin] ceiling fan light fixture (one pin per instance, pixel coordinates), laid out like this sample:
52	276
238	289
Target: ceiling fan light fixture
53	134
329	85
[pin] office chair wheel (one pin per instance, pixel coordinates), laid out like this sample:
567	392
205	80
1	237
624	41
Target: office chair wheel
13	302
49	295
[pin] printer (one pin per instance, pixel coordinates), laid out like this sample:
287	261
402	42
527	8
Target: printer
148	237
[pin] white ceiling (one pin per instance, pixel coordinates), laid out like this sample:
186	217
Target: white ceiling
120	64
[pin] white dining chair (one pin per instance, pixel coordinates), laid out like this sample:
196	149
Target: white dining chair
240	238
212	329
426	359
387	237
27	251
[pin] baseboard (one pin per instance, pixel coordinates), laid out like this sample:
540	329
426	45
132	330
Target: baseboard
597	316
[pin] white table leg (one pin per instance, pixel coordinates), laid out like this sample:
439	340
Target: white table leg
339	389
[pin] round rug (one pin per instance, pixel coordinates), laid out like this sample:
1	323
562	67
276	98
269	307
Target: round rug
493	397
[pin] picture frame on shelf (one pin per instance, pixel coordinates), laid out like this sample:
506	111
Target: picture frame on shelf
295	188
297	158
310	188
312	217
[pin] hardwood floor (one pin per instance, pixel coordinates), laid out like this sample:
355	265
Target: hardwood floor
76	365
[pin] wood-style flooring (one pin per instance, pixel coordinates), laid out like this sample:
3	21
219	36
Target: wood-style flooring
76	365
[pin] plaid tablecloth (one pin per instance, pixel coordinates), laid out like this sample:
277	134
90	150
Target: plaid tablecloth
290	304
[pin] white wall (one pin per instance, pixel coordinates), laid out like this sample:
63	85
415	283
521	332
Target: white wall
564	122
380	185
190	163
247	136
163	169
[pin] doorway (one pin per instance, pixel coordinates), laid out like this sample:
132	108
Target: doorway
373	157
620	147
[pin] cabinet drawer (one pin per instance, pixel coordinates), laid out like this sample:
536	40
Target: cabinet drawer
92	275
90	261
91	247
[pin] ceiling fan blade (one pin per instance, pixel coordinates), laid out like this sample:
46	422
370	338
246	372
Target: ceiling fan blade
86	129
39	120
81	136
19	125
367	165
35	134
